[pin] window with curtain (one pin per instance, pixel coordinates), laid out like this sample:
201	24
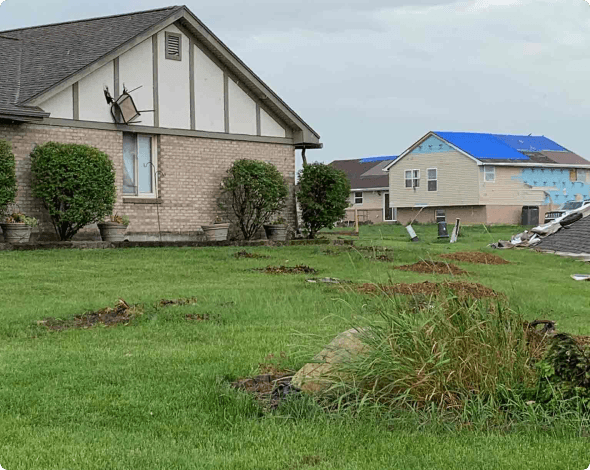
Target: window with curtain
139	167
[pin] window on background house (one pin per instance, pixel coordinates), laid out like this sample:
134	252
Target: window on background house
412	178
432	179
581	175
440	215
139	165
489	173
358	197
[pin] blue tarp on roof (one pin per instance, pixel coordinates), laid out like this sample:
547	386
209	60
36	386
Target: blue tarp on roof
530	143
485	146
378	159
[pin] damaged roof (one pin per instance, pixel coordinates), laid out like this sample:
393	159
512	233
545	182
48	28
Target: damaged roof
366	173
574	238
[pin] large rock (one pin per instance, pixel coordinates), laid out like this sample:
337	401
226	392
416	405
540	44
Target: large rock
318	375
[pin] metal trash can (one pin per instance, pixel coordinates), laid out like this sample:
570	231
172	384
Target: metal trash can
442	230
530	215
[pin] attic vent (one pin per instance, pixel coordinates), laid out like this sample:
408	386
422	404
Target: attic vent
173	46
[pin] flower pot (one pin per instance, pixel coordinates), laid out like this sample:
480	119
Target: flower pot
112	231
276	233
216	232
16	233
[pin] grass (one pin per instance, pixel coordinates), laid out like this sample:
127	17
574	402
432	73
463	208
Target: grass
155	394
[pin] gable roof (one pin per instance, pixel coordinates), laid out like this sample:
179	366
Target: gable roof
366	173
50	58
574	240
506	149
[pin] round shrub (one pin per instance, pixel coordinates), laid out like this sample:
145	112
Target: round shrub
323	196
252	192
8	185
76	184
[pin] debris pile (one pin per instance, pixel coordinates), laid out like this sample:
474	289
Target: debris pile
122	313
299	269
476	257
326	280
173	302
460	289
269	389
432	267
247	254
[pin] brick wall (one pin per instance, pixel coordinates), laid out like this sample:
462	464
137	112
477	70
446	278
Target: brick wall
188	189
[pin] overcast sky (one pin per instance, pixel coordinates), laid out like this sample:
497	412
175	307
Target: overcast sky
373	76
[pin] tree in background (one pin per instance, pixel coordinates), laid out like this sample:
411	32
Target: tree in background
252	192
323	196
76	184
8	186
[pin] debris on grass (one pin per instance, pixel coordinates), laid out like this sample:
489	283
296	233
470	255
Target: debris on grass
269	389
247	254
475	257
197	316
383	257
326	280
461	289
122	313
172	302
432	267
299	269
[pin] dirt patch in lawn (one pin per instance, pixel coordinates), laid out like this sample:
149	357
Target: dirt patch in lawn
122	313
173	302
383	257
432	267
475	257
268	389
197	316
246	254
299	269
461	289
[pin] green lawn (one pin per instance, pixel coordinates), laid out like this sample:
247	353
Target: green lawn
155	394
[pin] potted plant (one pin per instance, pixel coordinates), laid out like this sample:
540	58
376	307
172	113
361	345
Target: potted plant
217	231
114	229
276	230
17	227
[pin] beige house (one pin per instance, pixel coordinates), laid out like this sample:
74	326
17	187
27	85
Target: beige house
160	94
484	178
369	195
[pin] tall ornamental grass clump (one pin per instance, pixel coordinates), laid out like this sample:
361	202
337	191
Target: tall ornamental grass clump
442	353
76	184
8	185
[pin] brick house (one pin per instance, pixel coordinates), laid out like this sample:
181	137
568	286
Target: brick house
484	178
200	108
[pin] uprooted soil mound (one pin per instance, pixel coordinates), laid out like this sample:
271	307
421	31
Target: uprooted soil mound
432	267
269	389
461	289
122	313
475	257
247	254
299	269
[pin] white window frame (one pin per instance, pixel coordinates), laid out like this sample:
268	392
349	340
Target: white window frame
154	169
487	170
355	197
414	177
435	179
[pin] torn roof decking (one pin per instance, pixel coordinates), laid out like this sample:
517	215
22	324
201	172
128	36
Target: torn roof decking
574	238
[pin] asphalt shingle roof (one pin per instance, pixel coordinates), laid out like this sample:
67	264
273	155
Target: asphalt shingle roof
43	56
365	175
574	239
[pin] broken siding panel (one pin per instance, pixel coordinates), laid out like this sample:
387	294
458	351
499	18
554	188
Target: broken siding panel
93	106
509	189
457	179
61	105
135	70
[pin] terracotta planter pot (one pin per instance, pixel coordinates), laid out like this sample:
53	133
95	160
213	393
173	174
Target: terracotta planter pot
276	233
216	232
16	233
112	231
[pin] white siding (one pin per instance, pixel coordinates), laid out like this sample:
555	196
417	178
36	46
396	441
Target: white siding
93	106
60	105
242	111
269	127
136	69
209	102
173	84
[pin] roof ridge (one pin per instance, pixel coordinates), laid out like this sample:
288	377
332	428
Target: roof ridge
172	8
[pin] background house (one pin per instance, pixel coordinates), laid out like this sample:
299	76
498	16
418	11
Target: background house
201	108
369	188
484	178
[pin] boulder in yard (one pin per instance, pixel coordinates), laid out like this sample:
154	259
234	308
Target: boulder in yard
318	375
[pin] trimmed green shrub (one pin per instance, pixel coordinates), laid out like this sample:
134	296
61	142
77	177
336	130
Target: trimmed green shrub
323	196
252	192
76	184
8	184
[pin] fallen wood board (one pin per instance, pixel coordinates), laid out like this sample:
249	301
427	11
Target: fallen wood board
456	230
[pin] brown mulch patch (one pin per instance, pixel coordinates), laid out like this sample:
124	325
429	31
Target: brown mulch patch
197	316
247	254
171	302
432	267
583	340
269	389
299	269
461	289
122	313
475	257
